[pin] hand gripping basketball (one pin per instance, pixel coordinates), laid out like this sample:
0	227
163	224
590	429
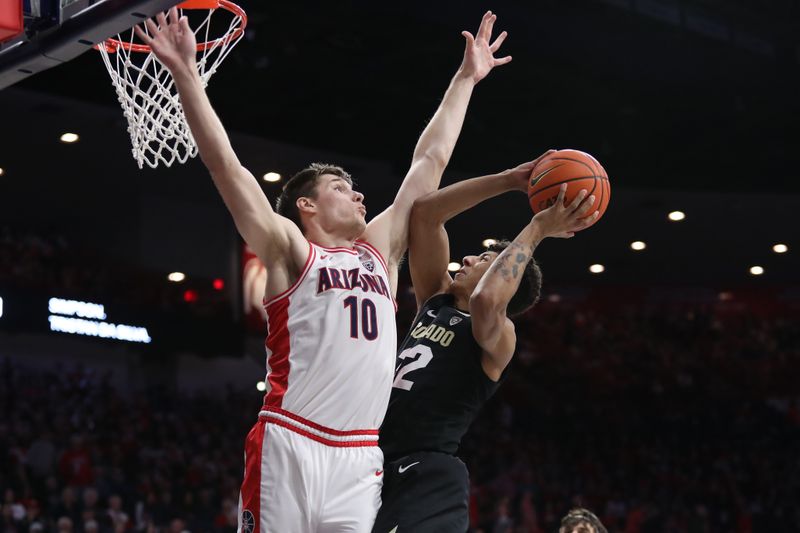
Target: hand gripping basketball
563	219
578	170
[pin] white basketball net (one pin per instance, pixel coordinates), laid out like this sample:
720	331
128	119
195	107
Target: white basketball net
145	89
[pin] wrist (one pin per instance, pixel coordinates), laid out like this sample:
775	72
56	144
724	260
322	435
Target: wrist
464	77
185	71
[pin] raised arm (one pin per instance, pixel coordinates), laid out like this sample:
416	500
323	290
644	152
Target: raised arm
429	247
389	231
490	324
276	241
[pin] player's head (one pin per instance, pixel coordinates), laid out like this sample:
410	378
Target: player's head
475	266
580	520
322	195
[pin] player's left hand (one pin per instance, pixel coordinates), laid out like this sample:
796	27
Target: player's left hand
479	57
562	220
521	174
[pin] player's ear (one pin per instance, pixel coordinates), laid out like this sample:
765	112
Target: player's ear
306	204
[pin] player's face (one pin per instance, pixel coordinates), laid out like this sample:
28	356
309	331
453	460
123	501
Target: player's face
473	267
340	209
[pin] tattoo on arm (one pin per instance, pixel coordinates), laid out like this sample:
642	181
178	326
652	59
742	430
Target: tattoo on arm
511	267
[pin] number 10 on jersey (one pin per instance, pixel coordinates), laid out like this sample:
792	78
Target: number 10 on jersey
369	317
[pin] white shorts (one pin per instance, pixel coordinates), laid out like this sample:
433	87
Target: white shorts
301	477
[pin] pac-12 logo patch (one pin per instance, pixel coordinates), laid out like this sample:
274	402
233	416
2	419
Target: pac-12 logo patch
368	264
455	320
248	522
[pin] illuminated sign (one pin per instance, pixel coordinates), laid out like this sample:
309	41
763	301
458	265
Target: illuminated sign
79	321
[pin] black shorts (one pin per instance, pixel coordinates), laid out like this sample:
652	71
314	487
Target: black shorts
424	492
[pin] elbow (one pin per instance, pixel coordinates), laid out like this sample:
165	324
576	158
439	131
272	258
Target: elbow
424	209
483	303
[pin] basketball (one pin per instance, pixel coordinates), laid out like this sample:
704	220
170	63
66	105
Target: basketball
578	170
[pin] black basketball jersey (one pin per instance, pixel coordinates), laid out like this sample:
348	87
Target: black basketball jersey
439	384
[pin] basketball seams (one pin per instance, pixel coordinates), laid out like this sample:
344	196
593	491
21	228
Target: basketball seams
568	181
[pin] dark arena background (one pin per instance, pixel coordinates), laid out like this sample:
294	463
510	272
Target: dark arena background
662	393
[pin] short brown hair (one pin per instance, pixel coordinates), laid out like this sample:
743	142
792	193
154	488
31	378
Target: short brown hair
304	183
577	521
530	286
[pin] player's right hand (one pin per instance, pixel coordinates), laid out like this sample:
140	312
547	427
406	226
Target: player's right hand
562	220
173	43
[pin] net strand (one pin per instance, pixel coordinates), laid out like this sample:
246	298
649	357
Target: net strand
150	103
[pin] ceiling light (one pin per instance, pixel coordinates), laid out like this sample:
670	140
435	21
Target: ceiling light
453	267
176	277
488	242
261	386
1	171
756	270
778	248
638	245
596	268
272	177
69	138
675	216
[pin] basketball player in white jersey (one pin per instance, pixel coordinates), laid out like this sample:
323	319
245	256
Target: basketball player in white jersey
312	461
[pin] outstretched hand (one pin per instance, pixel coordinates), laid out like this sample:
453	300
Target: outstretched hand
173	43
563	220
479	57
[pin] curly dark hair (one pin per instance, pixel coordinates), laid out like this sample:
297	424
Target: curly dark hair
581	520
530	287
303	184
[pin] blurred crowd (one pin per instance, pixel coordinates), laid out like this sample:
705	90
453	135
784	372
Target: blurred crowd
661	418
679	420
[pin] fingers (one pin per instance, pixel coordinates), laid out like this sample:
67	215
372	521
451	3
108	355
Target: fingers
481	33
562	192
146	39
152	29
185	23
489	26
162	21
470	39
497	42
173	15
576	202
502	61
586	207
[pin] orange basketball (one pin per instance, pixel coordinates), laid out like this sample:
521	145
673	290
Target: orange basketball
578	170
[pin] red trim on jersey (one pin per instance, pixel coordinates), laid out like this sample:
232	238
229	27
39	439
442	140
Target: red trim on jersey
316	426
278	344
374	251
335	249
251	485
303	273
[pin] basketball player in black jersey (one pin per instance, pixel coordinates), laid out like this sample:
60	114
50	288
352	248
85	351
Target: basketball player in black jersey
460	343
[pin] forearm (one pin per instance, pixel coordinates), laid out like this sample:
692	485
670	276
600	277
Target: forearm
502	279
207	129
442	205
440	135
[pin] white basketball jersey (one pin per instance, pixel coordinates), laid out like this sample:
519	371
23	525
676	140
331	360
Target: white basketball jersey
332	338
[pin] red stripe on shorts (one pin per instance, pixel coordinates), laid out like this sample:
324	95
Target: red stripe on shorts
251	486
278	344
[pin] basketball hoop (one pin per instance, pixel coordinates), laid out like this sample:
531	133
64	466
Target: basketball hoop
146	91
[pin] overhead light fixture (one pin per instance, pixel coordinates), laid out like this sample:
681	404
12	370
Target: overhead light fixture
272	177
778	248
261	386
676	216
756	270
489	242
454	267
638	245
597	268
69	138
176	277
1	171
